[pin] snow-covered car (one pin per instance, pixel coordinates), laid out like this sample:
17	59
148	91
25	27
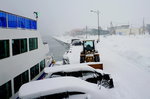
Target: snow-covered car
61	88
76	42
82	71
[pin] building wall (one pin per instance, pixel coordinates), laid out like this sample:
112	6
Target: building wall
15	65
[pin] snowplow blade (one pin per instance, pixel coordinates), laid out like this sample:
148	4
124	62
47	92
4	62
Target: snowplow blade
96	65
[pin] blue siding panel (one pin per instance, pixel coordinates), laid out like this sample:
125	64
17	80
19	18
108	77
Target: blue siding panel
12	21
3	21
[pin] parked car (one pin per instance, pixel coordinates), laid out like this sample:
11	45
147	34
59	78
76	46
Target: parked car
76	42
82	71
61	88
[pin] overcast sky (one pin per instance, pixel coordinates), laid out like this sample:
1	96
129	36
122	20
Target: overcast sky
59	16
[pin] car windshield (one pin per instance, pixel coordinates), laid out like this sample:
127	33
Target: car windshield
74	74
88	74
57	74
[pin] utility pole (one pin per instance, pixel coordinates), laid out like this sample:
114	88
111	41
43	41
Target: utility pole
112	29
98	25
86	32
130	30
97	12
143	31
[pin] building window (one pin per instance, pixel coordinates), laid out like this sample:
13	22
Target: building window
27	21
4	49
23	45
33	43
5	90
16	47
20	80
21	22
34	71
42	65
19	46
3	20
33	24
25	77
12	21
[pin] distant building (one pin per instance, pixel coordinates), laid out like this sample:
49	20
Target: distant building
90	31
130	31
111	30
148	28
127	30
122	27
95	32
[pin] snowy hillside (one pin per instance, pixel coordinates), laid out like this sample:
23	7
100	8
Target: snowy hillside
127	59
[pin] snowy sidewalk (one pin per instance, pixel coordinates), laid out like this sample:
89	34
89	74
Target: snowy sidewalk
130	81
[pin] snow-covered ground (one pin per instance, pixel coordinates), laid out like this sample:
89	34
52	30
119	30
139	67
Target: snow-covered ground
127	59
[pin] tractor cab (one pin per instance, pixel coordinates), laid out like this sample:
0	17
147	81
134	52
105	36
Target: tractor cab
88	46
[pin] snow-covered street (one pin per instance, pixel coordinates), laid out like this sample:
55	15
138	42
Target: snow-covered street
127	59
130	79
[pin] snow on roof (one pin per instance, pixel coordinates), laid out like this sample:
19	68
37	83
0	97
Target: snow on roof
72	67
55	85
